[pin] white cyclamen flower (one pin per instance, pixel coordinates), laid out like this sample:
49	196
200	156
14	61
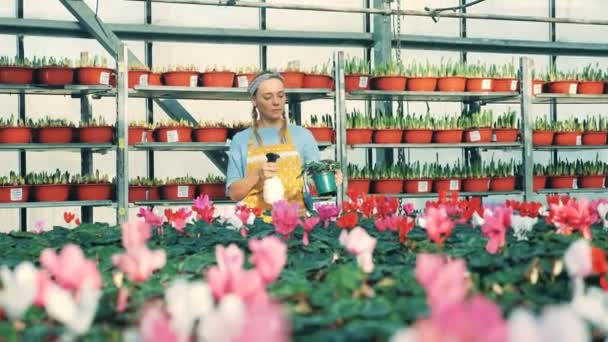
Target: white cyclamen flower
522	226
76	312
186	303
19	288
224	323
602	210
593	306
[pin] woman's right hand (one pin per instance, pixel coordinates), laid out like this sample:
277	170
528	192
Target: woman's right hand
268	170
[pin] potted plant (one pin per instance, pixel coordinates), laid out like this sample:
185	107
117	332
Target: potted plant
389	76
155	78
421	77
141	132
13	189
387	179
293	76
502	176
95	131
92	187
144	189
54	131
537	84
49	187
478	127
323	175
591	80
539	181
236	127
595	131
558	82
358	128
56	72
446	177
476	177
178	189
319	77
217	77
15	131
562	175
174	131
569	132
591	173
542	132
213	186
181	76
356	72
505	78
448	130
321	129
387	129
479	78
506	127
245	75
418	180
452	77
359	179
16	71
210	132
138	75
93	71
418	129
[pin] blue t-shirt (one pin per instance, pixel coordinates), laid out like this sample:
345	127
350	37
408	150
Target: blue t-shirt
237	159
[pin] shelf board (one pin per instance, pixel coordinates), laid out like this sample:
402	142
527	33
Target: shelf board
434	195
212	93
574	191
61	147
433	96
578	147
58	204
71	90
183	146
435	145
569	98
215	201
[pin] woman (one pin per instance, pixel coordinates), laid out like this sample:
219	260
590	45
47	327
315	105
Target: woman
270	133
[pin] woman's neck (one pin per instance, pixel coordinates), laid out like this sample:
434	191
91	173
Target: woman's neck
262	123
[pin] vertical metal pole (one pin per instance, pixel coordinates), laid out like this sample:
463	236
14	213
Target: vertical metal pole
86	156
382	54
463	29
149	102
526	67
552	68
21	108
122	156
263	48
367	53
340	110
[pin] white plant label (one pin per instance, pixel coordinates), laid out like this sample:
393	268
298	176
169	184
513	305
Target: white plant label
144	137
573	88
172	136
453	184
143	80
474	136
538	88
494	137
243	81
104	77
486	84
575	183
147	195
363	81
579	140
513	85
16	194
193	81
423	186
183	191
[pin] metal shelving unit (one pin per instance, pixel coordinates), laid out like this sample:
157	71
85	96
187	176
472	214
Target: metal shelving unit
74	147
574	191
58	204
464	193
68	90
484	146
221	94
435	96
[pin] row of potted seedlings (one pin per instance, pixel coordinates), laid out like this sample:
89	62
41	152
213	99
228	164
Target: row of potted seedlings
54	131
417	178
570	132
180	131
479	127
571	175
176	189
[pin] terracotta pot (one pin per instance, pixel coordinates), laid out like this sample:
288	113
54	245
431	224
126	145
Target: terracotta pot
139	193
478	135
591	87
476	184
16	75
502	184
505	84
51	192
15	135
562	182
138	78
539	183
568	138
93	192
243	80
55	76
542	138
181	78
322	134
388	136
293	79
452	84
139	135
418	186
55	135
318	81
221	79
94	76
177	192
358	136
562	87
173	134
155	79
356	82
358	186
589	138
14	194
446	185
591	182
211	134
448	136
96	135
389	83
422	84
214	191
479	84
537	87
505	135
418	136
388	186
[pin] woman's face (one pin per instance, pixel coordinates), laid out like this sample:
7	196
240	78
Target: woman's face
270	99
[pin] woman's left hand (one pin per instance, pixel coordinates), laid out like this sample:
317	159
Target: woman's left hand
339	177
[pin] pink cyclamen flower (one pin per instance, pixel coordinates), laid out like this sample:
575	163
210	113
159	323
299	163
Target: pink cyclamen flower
327	212
308	225
495	227
444	281
135	234
269	255
477	319
155	325
285	217
572	215
438	224
150	217
122	299
204	208
266	321
408	208
178	218
139	263
40	227
360	244
70	268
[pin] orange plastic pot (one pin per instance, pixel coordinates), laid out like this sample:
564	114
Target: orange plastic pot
15	135
243	80
139	135
177	192
55	76
562	87
220	79
93	192
452	84
96	135
479	84
139	193
181	78
591	87
389	83
94	76
358	136
55	135
539	183
16	75
356	82
174	134
542	138
589	138
422	84
505	84
505	135
478	135
440	185
562	182
388	186
388	136
51	192
568	138
591	182
211	134
322	134
418	136
502	184
318	81
476	184
358	186
448	136
214	191
14	194
155	79
138	78
293	79
418	186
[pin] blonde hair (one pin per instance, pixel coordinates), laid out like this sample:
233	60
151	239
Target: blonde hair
255	115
